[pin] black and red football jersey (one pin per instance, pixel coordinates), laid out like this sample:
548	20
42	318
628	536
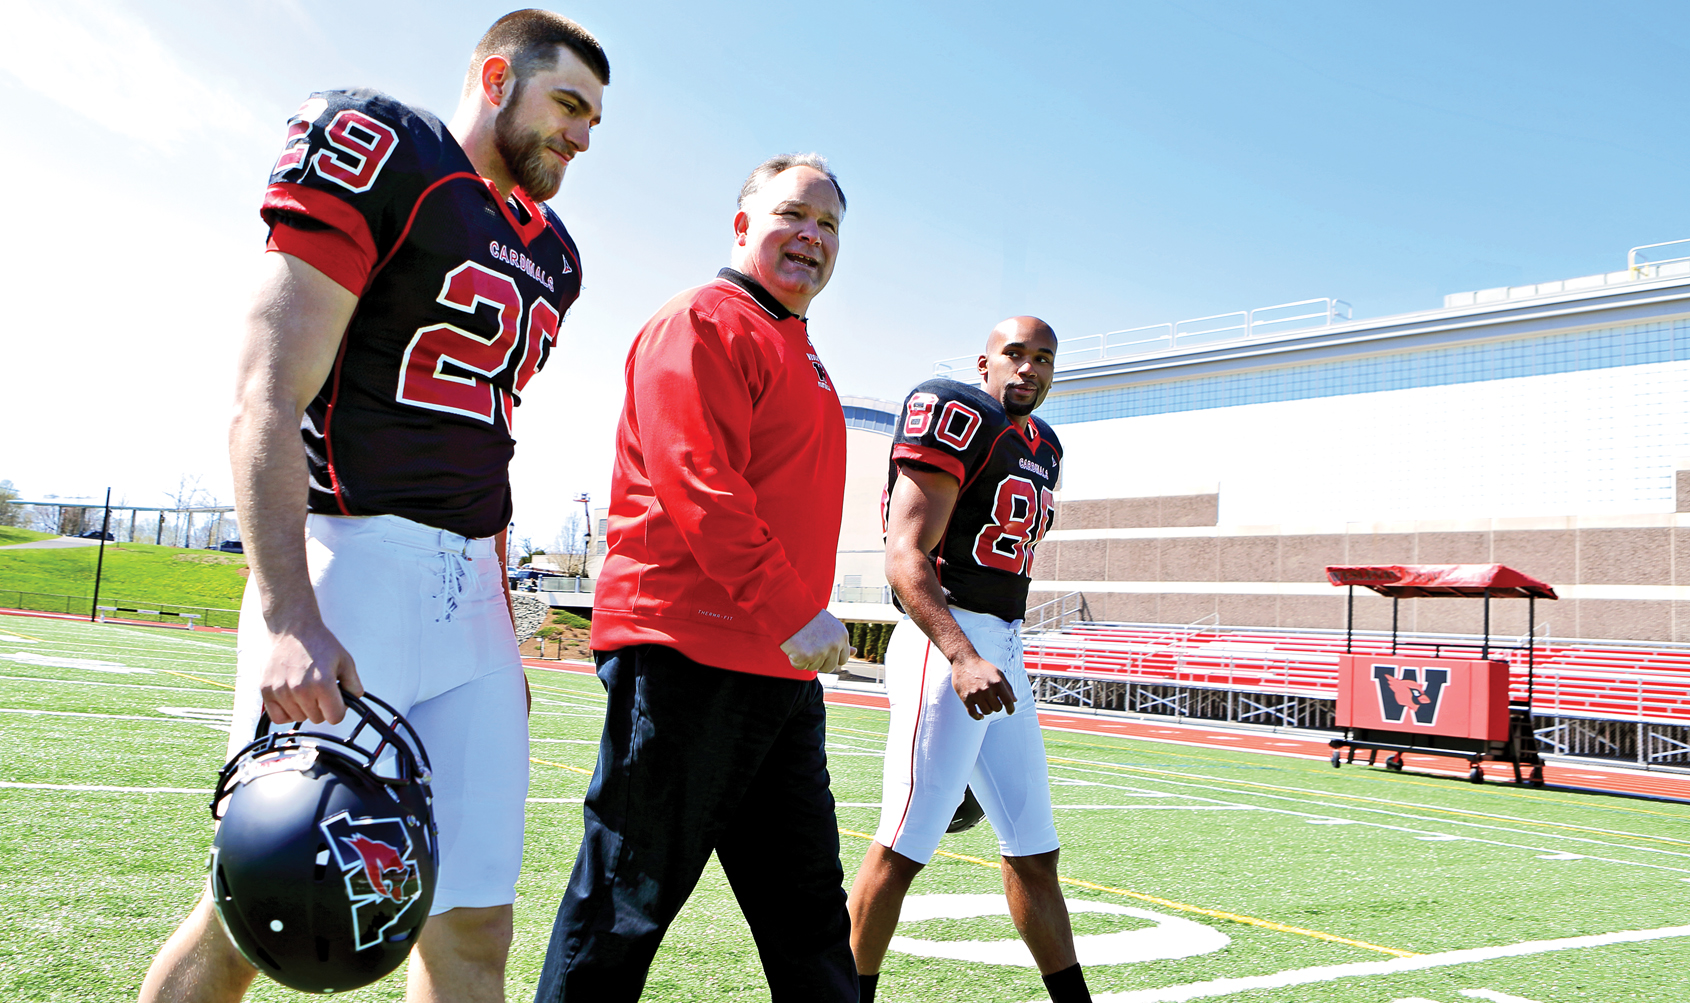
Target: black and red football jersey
1007	501
460	296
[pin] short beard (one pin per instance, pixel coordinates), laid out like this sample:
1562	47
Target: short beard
525	154
1019	410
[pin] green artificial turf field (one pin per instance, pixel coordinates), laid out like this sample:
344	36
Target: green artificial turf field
1194	873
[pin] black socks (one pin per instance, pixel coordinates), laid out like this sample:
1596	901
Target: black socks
866	985
1067	986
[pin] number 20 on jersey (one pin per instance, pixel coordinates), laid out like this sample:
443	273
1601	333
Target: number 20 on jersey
424	379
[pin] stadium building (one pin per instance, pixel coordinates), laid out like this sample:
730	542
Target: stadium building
1216	467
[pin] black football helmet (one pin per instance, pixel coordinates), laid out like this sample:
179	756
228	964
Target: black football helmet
323	866
968	814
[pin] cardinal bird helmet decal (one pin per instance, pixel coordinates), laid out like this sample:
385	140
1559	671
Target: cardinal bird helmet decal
378	864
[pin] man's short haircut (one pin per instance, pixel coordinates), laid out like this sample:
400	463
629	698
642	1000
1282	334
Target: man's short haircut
766	170
530	39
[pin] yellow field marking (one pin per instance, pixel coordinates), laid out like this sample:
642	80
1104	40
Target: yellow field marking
1266	924
197	679
26	637
561	766
1612	833
1545	798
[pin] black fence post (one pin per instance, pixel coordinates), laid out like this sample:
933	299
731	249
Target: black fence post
100	567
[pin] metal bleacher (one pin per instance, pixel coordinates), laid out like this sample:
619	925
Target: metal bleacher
1613	701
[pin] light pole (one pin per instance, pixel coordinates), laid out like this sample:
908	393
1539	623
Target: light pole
586	538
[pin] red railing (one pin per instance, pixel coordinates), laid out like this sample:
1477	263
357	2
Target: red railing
1607	680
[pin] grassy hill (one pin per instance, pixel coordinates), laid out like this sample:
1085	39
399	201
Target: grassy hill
11	534
135	574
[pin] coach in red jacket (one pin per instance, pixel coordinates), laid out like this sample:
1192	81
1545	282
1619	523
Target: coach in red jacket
710	621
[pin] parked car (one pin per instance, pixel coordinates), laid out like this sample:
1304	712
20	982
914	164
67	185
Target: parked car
95	534
231	547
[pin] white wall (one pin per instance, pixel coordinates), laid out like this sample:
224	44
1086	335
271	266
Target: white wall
1586	443
861	541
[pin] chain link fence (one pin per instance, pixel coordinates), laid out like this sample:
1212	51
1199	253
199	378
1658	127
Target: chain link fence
172	613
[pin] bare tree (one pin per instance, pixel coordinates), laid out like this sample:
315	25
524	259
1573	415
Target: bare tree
11	513
183	532
45	518
571	546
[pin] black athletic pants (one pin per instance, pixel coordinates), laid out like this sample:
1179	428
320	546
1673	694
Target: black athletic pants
695	759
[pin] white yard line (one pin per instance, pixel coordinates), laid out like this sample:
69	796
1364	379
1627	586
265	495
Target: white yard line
223	666
1494	996
45	661
109	717
171	639
104	788
1493	816
1154	807
1218	785
1326	819
143	640
1331	973
96	682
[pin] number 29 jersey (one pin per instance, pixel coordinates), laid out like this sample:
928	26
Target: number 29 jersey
460	294
1007	499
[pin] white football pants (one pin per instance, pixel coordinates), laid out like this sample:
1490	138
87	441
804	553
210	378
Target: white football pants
423	613
935	749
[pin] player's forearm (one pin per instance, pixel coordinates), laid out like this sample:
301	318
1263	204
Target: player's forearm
911	576
268	462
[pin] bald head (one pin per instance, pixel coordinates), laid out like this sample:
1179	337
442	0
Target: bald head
1022	329
1019	364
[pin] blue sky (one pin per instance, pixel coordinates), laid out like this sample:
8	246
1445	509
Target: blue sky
1103	166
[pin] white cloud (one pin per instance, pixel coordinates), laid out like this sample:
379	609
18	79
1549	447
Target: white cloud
101	62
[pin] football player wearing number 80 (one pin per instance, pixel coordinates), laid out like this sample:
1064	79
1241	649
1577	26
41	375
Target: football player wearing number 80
969	495
416	286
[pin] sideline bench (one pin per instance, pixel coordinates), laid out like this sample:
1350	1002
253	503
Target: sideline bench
185	617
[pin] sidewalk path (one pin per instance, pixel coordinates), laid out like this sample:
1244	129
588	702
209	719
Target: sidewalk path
63	541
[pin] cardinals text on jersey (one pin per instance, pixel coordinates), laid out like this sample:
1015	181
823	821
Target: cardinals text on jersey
1007	499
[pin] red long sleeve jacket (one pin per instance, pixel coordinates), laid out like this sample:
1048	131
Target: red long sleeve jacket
729	483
